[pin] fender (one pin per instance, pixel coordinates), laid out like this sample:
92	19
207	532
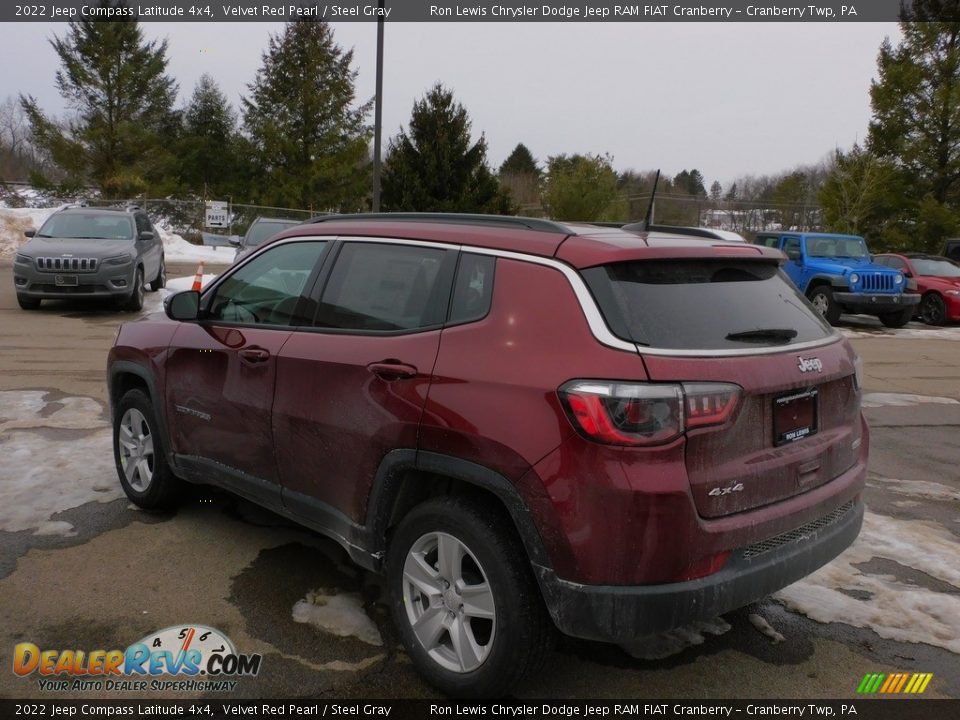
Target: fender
836	281
389	482
126	367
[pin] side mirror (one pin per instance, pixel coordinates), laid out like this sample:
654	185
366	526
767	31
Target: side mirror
793	254
234	240
183	306
29	233
145	235
908	274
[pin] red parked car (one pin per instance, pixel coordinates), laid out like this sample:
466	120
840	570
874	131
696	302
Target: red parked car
524	425
937	280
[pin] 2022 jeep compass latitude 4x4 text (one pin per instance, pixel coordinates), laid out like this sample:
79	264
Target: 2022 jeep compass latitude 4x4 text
522	424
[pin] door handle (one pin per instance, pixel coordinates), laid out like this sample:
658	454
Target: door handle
254	354
392	370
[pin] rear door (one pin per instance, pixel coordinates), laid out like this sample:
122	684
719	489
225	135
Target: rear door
221	372
352	387
150	250
797	424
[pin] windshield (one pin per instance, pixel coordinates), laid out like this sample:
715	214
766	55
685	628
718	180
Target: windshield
261	231
703	304
837	247
100	226
938	268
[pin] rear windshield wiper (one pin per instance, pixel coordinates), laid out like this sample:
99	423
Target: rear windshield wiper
781	334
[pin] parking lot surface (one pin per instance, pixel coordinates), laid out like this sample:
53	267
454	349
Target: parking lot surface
81	568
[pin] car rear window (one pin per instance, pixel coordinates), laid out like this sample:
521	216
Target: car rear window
264	231
703	304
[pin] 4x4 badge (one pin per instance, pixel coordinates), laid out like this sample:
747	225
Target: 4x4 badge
809	364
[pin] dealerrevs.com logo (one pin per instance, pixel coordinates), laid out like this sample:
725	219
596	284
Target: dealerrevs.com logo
189	658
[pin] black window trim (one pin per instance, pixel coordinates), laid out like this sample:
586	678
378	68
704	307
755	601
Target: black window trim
453	287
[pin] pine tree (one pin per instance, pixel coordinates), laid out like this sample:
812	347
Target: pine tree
580	187
207	156
116	82
716	191
520	161
435	167
520	176
310	139
916	122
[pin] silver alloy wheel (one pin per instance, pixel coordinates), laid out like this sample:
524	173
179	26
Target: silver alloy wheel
821	303
162	275
140	289
136	450
449	602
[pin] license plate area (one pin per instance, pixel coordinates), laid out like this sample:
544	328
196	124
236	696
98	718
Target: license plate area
66	280
794	416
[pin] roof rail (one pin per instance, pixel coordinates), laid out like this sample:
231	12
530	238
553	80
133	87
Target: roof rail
456	218
675	230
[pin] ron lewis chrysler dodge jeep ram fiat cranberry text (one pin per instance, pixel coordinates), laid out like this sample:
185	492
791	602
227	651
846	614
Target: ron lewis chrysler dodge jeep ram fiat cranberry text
522	424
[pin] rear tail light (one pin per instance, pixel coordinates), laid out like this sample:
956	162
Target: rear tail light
618	413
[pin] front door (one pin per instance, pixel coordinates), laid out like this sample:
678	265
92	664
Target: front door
221	373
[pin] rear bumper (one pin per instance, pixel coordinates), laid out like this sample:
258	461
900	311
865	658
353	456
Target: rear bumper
874	304
620	614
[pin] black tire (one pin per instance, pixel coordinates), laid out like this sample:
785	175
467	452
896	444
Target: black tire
159	282
520	633
134	302
822	299
26	303
162	488
897	319
933	311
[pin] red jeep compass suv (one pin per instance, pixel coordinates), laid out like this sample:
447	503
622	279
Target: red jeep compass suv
522	424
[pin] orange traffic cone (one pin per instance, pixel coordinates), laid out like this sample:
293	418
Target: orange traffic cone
198	278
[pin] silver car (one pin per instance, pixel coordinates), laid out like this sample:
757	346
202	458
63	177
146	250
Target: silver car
90	253
260	230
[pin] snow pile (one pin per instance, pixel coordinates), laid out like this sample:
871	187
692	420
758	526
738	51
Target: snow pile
13	223
176	249
919	333
40	476
877	399
339	614
918	488
893	609
675	641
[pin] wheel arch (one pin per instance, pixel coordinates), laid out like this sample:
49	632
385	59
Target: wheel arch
125	376
407	478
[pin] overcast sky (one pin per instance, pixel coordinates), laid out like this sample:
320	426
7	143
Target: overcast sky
727	98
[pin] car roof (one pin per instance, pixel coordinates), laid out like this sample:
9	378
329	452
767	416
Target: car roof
88	209
579	244
286	221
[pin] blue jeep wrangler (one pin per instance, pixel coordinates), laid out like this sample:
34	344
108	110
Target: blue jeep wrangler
836	274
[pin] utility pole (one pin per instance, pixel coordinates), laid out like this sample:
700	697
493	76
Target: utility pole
378	112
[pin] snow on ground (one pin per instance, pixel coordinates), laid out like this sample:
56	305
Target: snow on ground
675	641
919	332
13	223
894	609
40	477
916	488
339	613
876	399
176	249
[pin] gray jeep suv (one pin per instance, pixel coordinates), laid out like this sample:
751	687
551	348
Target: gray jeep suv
92	253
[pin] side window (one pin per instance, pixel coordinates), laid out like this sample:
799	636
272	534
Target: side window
472	289
268	290
384	287
897	263
143	224
769	241
791	245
